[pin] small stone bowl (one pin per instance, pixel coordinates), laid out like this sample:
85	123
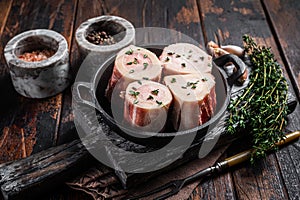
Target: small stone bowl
38	79
122	31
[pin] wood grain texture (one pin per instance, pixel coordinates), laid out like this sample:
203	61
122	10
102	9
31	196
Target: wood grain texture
29	122
5	9
26	178
84	11
179	15
285	15
226	22
120	8
289	161
54	164
217	187
5	82
261	181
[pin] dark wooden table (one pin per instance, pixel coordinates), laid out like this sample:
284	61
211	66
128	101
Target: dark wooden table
28	126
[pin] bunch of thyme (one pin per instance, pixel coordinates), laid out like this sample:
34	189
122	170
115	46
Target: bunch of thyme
263	104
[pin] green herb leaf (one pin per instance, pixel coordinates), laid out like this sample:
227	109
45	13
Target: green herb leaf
155	92
263	105
134	93
135	101
192	84
145	56
131	71
159	102
129	52
150	97
145	65
173	80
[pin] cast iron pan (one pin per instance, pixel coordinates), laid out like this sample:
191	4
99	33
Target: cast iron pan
98	100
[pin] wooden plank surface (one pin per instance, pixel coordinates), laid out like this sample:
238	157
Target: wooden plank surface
30	125
182	16
259	182
285	15
84	11
289	160
248	18
5	9
218	187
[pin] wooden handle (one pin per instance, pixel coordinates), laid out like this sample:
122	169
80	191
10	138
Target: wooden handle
245	155
238	158
289	137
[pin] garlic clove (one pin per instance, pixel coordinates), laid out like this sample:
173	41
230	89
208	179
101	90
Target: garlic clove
233	49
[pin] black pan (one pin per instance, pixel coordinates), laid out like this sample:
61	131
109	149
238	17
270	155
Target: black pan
98	100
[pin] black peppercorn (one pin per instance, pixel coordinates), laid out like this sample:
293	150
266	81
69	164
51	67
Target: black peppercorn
100	38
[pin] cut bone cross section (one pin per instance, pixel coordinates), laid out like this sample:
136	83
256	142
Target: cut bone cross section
133	63
194	99
184	58
146	105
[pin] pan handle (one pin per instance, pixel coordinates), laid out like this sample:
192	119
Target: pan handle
77	96
238	63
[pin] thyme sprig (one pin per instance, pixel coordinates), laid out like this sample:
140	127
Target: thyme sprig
263	104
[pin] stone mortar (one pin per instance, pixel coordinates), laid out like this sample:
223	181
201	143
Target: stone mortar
122	30
38	79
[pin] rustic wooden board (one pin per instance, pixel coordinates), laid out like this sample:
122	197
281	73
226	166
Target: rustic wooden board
5	9
246	16
285	15
31	125
84	11
179	15
289	160
226	22
262	181
5	6
5	82
214	187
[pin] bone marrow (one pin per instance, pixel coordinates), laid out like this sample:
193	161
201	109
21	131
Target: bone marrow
133	63
146	105
194	99
184	58
185	99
